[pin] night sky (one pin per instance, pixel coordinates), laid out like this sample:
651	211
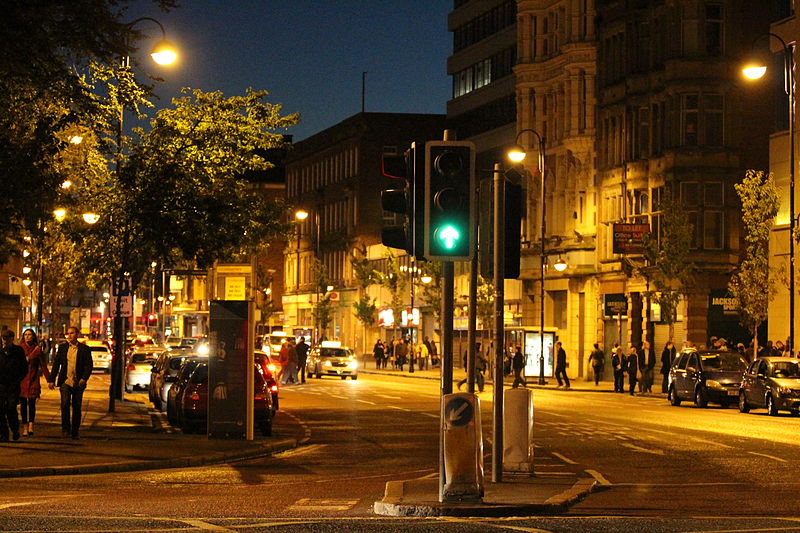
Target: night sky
309	54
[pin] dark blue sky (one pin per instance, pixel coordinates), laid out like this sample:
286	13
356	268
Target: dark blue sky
309	54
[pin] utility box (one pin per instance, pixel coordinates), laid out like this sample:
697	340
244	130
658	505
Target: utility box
463	448
518	430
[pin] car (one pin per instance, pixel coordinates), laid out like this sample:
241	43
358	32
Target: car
332	359
164	374
193	404
172	342
269	370
272	343
772	383
176	391
139	369
706	376
101	355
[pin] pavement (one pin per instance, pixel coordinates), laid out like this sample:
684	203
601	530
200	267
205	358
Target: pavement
133	437
542	492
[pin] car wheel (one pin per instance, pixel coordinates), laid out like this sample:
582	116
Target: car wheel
344	377
772	409
354	377
672	396
744	407
700	399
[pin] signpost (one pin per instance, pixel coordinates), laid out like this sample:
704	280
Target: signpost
124	293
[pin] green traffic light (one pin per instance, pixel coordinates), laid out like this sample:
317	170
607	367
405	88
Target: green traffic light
448	235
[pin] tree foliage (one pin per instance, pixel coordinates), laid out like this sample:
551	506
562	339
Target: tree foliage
395	282
364	308
752	285
323	308
432	292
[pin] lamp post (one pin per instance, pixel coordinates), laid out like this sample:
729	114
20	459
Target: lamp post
753	71
163	53
300	215
517	155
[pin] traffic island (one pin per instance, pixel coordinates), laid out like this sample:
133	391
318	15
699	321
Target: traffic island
518	496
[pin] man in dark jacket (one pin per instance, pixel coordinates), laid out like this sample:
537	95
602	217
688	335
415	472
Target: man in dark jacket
13	367
71	370
667	356
518	365
561	365
302	356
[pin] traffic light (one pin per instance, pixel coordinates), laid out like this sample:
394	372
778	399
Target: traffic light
449	200
406	172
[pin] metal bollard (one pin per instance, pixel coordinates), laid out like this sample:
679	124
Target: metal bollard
463	448
518	430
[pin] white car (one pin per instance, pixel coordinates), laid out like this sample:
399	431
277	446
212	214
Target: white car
332	360
101	355
139	369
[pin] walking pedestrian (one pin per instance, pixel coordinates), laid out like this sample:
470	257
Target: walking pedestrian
518	365
618	366
667	356
400	353
283	360
632	368
431	351
378	353
291	363
302	357
30	387
421	353
597	360
13	367
71	370
561	366
478	357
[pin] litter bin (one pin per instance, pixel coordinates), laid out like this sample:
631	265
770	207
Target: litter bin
518	430
463	448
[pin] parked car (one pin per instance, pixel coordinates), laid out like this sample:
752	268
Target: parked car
269	370
139	369
175	392
328	359
164	374
172	342
772	383
706	376
193	404
101	355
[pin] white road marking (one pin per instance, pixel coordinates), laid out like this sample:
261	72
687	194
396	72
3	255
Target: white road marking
599	477
316	504
367	401
568	461
430	415
640	449
205	526
16	504
301	451
769	457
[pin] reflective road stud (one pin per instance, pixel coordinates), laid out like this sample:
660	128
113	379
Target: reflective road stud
463	448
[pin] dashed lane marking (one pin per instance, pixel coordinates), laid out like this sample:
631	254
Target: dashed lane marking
306	427
599	477
769	457
640	449
568	461
431	415
205	526
367	401
315	504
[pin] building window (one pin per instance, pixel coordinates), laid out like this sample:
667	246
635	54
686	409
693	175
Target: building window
690	193
713	113
689	119
694	222
713	194
713	230
559	300
714	30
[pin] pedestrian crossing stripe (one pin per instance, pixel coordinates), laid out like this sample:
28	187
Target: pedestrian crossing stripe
314	504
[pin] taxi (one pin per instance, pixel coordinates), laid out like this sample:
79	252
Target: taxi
330	358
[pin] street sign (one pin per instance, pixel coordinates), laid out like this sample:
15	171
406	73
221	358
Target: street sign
458	411
629	238
124	292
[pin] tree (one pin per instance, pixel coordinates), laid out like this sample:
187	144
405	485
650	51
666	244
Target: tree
432	292
323	309
667	255
485	303
751	284
364	308
393	280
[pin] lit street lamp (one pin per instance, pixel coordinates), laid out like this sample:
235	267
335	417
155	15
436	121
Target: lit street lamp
754	70
517	155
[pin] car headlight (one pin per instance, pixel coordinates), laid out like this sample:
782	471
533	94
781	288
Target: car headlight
327	363
272	368
353	364
784	390
713	384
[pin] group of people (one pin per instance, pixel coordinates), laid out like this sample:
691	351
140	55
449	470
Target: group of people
398	352
292	358
21	368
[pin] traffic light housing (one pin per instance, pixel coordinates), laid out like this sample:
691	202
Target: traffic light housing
449	200
406	173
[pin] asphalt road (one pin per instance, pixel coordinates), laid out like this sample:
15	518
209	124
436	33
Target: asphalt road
668	469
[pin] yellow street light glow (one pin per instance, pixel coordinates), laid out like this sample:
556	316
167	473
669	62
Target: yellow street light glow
560	265
91	218
164	53
26	253
66	184
330	288
60	213
76	139
426	279
106	295
301	214
26	270
754	71
516	153
267	291
27	282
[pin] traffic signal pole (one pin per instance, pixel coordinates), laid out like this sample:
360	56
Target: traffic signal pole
499	327
447	357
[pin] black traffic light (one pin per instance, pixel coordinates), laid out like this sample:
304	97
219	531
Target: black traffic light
512	224
449	200
406	172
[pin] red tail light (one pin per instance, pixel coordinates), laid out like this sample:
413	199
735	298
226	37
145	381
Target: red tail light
131	367
258	397
194	396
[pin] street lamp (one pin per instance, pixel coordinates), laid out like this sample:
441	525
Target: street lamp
560	265
754	70
517	154
300	215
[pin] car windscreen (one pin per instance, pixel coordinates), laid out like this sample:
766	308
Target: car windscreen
722	361
200	374
101	349
333	352
142	358
785	369
277	339
175	362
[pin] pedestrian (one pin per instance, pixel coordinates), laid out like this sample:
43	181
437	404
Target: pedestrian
617	365
30	387
302	357
400	353
71	370
291	363
518	365
466	370
667	356
561	366
431	351
283	360
646	365
480	367
421	353
597	360
632	368
378	353
13	368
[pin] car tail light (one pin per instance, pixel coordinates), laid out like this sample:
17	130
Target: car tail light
131	367
274	388
194	396
259	397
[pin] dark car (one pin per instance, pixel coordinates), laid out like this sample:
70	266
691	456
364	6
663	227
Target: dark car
164	374
268	369
772	383
706	376
173	396
193	402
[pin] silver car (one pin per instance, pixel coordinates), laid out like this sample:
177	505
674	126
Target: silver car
332	361
772	383
139	369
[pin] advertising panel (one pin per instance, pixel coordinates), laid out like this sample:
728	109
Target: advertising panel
532	350
628	238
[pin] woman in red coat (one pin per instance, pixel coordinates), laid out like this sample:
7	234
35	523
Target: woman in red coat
30	389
